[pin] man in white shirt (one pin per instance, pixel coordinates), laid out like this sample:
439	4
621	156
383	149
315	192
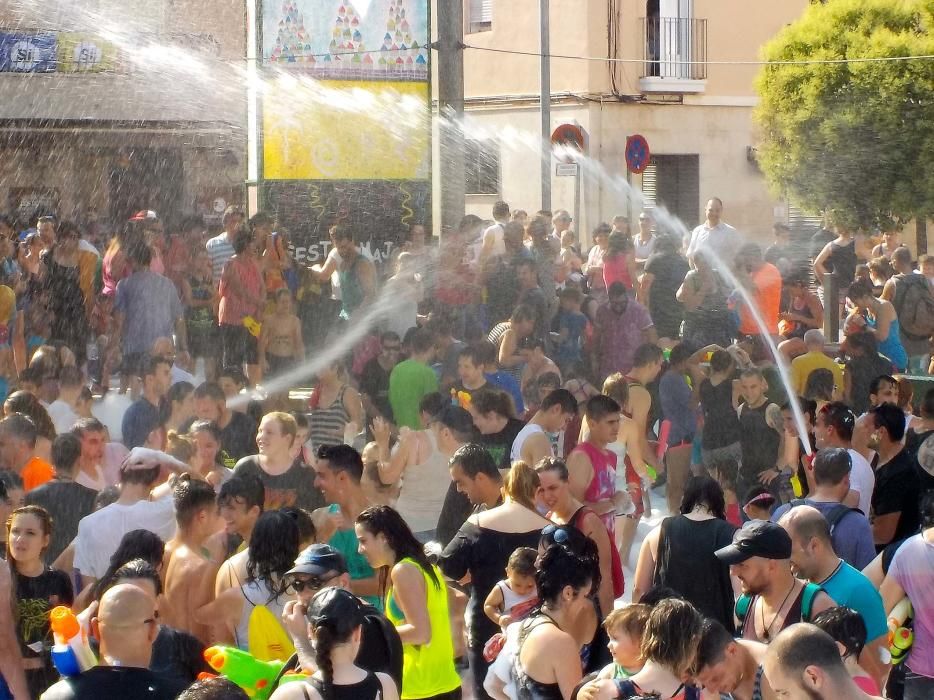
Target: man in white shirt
715	235
492	243
834	428
62	410
100	533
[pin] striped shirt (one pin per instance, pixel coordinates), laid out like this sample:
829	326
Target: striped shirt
220	250
326	425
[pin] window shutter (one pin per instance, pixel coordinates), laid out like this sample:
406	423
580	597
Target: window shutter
481	11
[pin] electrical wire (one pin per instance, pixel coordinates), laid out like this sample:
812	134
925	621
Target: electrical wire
801	62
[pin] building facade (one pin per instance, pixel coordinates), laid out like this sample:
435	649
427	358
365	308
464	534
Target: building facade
112	106
695	116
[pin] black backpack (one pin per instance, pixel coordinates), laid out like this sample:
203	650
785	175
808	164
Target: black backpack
914	306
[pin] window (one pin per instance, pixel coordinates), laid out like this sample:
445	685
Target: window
481	167
479	16
674	182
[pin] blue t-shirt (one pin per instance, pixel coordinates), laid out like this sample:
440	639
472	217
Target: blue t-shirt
508	383
150	305
675	395
850	588
140	419
569	350
851	536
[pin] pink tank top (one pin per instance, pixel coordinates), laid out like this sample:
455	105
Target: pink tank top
603	484
616	270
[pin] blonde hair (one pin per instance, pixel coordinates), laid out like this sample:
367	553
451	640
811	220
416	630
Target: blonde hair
180	446
617	388
630	620
521	483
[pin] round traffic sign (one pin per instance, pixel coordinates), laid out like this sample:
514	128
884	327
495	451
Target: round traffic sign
637	153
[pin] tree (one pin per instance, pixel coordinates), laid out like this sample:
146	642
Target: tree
857	137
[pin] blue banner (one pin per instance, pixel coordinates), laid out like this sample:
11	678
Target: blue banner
23	52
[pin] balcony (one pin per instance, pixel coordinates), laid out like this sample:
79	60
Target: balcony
674	52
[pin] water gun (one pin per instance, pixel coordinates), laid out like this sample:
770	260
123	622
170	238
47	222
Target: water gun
256	678
901	637
252	325
71	652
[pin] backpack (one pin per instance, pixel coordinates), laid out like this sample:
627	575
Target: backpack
834	516
267	640
811	590
914	306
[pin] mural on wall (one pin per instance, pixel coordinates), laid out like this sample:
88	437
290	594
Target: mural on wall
341	39
380	213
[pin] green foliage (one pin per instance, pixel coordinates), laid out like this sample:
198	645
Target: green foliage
857	138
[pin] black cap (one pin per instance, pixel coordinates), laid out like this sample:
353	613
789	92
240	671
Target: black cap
318	560
335	608
756	538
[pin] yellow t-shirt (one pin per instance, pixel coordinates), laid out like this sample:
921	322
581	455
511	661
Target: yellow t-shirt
803	365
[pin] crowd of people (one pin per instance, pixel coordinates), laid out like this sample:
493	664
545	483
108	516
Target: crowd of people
446	504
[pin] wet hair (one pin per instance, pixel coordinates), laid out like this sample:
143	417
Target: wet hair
242	238
136	544
819	385
493	401
87	425
876	383
420	341
647	354
832	465
45	521
234	374
180	446
712	644
385	521
66	451
560	397
703	490
150	364
617	388
433	403
681	352
473	353
333	617
522	312
307	532
521	483
474	459
629	620
656	594
890	417
859	289
216	688
553	464
138	253
273	547
522	561
671	635
561	567
137	569
179	391
207	426
841	418
210	390
600	406
342	458
191	496
247	488
21	427
500	210
28	404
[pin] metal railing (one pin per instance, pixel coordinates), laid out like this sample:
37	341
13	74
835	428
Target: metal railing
674	48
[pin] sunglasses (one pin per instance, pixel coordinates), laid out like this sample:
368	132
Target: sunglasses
313	583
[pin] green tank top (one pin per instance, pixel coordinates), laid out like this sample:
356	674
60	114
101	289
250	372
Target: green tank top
345	542
427	669
351	290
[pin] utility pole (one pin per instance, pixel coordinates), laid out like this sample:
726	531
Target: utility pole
451	110
545	17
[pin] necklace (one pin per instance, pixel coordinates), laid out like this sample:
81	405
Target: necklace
767	634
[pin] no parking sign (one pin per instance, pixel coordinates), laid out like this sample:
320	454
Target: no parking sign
637	153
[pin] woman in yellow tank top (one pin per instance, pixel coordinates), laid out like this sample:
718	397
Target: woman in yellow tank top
416	604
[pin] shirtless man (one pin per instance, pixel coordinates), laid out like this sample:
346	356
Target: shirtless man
190	570
532	350
731	667
240	503
280	340
533	443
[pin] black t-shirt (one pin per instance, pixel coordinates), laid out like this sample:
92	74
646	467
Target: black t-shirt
721	424
499	444
454	511
374	382
177	654
668	270
103	682
35	597
295	488
67	502
897	491
484	553
862	370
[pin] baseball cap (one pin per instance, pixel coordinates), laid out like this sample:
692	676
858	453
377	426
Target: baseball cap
756	538
336	608
145	215
317	560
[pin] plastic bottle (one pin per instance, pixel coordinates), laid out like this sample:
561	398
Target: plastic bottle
71	652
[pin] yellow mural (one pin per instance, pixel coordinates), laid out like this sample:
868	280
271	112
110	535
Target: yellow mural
345	130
